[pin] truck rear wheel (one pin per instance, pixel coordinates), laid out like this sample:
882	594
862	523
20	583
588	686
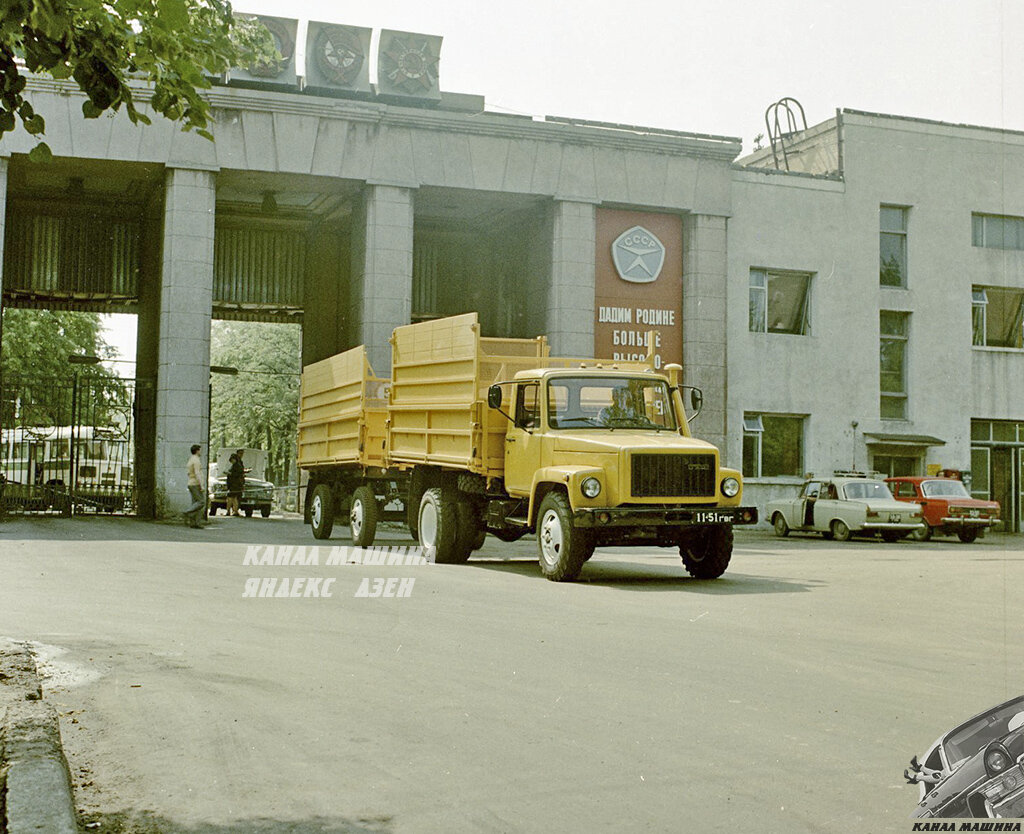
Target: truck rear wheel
437	525
707	555
561	547
362	516
321	512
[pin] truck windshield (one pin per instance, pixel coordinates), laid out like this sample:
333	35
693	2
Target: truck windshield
593	402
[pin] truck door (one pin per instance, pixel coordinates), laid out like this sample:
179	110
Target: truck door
523	441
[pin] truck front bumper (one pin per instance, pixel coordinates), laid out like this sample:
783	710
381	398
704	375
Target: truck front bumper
662	516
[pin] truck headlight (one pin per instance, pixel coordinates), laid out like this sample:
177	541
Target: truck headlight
591	487
730	487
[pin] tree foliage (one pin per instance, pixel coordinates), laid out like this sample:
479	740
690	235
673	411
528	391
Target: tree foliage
36	377
104	44
259	407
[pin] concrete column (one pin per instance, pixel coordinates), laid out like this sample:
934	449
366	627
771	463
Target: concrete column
704	325
381	287
183	352
570	308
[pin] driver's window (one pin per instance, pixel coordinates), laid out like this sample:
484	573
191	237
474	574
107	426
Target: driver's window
527	406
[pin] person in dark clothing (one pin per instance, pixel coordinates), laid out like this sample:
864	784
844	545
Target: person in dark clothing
235	483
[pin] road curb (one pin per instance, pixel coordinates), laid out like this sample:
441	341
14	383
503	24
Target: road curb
35	784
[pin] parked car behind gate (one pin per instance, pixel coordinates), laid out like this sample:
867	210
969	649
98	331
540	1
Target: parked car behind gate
946	507
843	506
257	494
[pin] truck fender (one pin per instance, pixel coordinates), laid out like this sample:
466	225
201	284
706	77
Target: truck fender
558	477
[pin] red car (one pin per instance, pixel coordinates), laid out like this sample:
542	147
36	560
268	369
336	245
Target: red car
946	506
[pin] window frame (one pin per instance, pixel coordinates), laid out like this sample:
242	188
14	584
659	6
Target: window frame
981	321
902	236
984	238
885	337
759	286
754	431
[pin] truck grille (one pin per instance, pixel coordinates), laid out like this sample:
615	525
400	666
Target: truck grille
664	476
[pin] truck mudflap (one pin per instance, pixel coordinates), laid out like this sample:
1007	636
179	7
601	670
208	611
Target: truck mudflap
662	517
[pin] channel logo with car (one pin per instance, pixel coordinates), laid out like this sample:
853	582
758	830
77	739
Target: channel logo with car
975	770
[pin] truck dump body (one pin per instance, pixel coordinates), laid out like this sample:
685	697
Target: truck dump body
342	412
441	371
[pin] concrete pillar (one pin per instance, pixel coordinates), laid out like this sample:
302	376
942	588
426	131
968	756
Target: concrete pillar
381	286
570	308
183	351
704	330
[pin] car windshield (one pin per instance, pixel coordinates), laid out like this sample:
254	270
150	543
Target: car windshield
967	740
615	402
944	489
866	490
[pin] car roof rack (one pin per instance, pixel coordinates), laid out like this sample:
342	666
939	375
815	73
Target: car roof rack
849	473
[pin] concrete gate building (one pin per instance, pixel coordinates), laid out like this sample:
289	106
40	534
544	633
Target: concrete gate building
353	209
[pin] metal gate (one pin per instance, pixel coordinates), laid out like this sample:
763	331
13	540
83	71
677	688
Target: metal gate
67	445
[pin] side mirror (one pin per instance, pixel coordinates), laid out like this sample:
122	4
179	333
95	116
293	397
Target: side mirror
696	401
494	396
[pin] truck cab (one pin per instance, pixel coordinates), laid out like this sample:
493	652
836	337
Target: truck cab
605	456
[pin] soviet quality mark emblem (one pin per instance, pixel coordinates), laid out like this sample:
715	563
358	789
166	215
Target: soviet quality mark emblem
638	255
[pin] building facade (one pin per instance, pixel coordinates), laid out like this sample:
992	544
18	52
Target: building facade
858	310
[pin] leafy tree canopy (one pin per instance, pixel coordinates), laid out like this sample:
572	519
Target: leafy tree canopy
102	44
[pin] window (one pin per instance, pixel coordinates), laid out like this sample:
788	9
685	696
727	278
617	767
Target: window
893	333
778	301
896	466
994	231
997	317
527	410
772	445
892	246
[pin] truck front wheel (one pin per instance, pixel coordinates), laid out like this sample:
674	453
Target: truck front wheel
562	548
363	516
321	512
706	555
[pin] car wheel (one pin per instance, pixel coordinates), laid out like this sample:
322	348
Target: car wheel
840	531
321	512
922	533
967	534
781	528
706	555
437	524
248	512
265	512
562	548
362	516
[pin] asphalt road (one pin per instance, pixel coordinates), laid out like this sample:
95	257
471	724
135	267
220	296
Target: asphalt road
787	696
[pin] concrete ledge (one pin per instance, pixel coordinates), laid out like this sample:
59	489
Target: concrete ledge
35	785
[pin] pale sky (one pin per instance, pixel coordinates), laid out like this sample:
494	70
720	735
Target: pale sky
707	68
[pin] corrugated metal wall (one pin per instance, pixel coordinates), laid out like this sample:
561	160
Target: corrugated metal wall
259	270
82	256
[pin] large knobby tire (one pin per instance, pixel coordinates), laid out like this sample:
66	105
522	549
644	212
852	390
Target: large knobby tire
437	524
465	530
840	531
707	556
362	516
781	528
967	534
321	512
561	547
922	533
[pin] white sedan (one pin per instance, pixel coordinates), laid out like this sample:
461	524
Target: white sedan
842	507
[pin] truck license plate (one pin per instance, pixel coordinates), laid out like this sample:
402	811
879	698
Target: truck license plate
712	517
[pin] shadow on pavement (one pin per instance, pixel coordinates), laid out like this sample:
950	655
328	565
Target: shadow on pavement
632	576
146	822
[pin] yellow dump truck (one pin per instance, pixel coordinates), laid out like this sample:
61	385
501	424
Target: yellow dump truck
474	435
